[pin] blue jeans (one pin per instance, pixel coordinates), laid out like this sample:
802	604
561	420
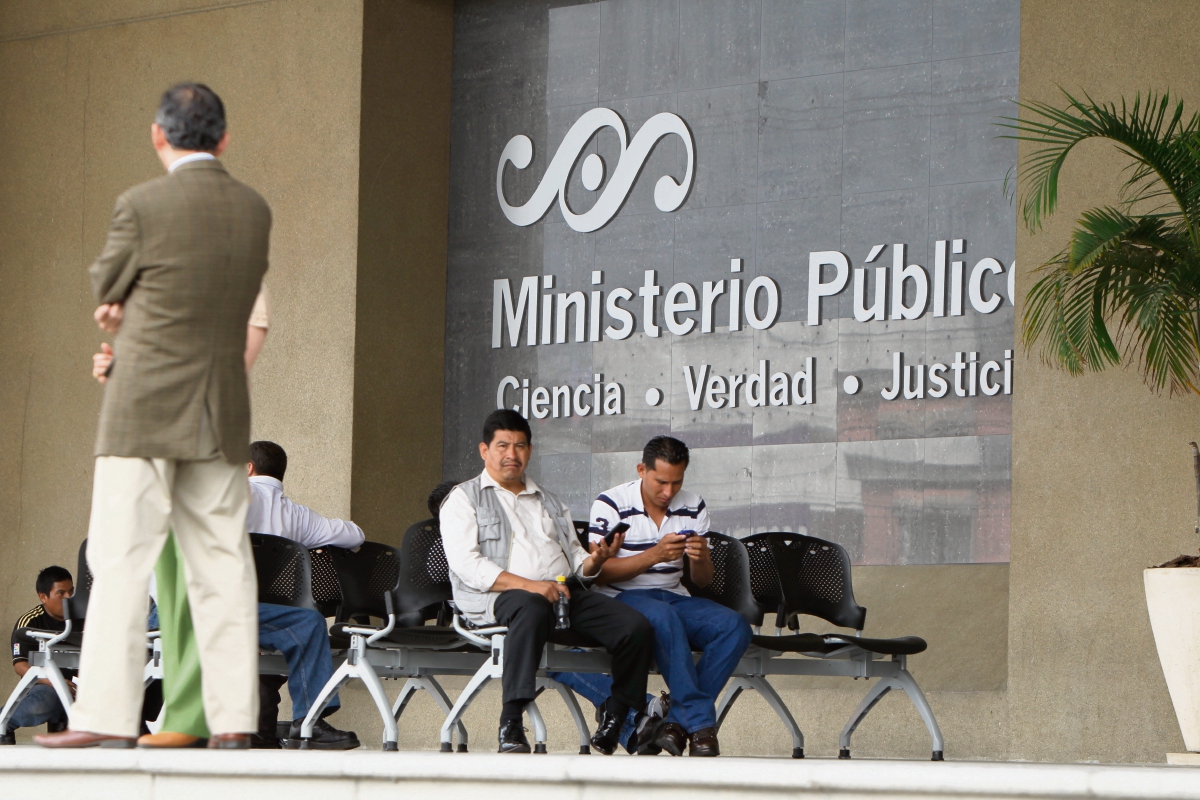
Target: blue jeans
680	624
300	634
596	687
39	706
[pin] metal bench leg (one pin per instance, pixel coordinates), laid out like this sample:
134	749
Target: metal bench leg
767	691
872	697
60	685
909	685
411	687
479	680
341	676
443	701
539	727
391	734
429	684
568	696
24	687
732	692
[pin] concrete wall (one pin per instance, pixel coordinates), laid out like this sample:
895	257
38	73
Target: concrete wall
1102	480
403	196
81	82
79	101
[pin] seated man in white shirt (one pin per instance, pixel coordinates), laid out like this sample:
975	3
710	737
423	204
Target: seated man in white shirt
506	541
299	633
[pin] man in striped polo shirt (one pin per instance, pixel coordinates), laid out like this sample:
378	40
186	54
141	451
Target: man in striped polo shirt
666	525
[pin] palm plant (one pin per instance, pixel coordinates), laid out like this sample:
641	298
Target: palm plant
1128	283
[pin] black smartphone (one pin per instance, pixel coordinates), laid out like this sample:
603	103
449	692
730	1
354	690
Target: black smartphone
620	527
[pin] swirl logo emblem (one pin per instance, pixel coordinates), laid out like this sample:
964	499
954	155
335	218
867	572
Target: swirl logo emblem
668	195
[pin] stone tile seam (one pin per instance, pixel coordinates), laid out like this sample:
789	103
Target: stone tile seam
697	89
132	20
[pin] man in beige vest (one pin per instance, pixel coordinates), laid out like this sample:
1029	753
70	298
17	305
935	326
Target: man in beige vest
185	258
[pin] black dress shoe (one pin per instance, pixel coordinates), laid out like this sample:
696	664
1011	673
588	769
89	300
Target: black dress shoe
8	738
672	738
704	743
324	737
512	737
648	725
608	732
56	727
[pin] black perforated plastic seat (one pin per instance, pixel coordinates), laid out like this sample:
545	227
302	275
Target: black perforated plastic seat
325	591
730	584
821	644
284	571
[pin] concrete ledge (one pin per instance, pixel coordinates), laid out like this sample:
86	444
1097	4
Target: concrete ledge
30	771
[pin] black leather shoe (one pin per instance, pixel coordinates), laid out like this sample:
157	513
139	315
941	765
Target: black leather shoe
608	733
672	738
512	737
324	737
649	724
56	727
704	743
8	738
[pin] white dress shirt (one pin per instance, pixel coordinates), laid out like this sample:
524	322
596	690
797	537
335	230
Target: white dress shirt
535	553
189	158
272	512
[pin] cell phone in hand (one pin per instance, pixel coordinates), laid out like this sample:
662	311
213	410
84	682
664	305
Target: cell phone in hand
620	527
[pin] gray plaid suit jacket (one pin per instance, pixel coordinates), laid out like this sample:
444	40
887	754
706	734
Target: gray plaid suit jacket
186	254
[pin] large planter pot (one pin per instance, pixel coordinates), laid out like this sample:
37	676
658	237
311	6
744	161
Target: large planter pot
1173	599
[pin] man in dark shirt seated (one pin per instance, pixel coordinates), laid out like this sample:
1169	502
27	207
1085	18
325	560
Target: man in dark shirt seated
41	705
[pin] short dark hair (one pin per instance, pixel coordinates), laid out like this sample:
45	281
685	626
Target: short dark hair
192	117
268	459
504	419
665	448
50	576
438	495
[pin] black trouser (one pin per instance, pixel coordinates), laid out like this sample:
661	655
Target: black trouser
269	699
616	627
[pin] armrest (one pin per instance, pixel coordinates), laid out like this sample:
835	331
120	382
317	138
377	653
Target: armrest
50	638
479	636
382	632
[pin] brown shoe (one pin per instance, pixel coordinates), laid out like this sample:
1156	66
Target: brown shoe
704	743
229	741
672	738
168	739
70	738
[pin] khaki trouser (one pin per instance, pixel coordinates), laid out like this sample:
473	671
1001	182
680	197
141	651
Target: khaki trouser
134	501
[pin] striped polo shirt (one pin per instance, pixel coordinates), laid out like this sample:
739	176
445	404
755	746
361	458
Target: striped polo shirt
623	503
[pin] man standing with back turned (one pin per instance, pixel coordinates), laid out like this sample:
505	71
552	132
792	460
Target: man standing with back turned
185	258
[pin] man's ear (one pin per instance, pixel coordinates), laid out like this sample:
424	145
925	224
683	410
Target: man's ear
157	137
641	470
221	145
483	448
249	469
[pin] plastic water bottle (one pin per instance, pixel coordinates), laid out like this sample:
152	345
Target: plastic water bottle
562	606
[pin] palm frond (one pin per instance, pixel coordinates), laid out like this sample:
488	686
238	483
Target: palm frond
1127	286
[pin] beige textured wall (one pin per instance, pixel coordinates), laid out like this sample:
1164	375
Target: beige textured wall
74	133
404	179
1102	481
